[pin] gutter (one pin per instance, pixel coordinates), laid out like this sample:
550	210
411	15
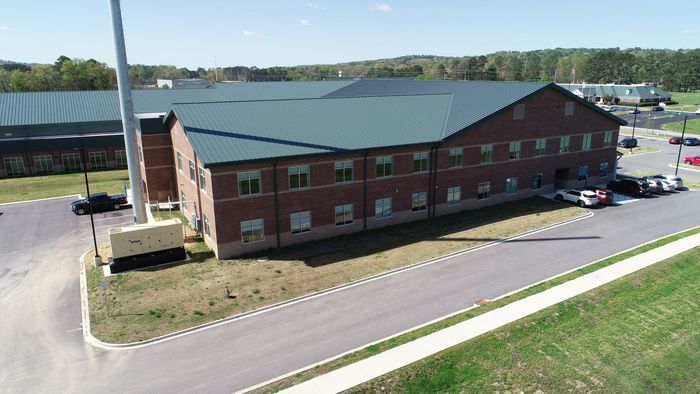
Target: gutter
277	207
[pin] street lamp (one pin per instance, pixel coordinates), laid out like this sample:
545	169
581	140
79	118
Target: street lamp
634	124
680	146
97	260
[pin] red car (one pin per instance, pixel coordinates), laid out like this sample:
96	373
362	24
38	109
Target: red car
692	160
603	195
675	140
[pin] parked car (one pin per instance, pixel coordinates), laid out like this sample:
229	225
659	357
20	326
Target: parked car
630	186
697	111
692	160
657	108
675	140
655	185
100	202
668	186
691	141
627	142
634	111
582	198
674	179
603	195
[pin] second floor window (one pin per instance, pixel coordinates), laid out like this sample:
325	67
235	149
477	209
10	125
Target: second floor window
456	157
586	143
192	172
514	150
384	166
540	146
248	183
486	154
343	171
607	140
202	180
564	144
420	162
298	177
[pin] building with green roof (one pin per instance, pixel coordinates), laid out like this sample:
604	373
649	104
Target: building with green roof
621	94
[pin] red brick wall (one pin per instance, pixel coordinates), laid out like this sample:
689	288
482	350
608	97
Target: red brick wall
157	168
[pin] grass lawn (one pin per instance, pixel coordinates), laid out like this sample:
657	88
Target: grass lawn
691	127
35	187
636	334
410	336
636	151
149	303
686	101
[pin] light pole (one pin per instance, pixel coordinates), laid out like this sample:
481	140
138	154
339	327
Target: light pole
634	124
97	260
680	146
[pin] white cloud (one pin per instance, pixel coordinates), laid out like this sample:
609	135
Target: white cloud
380	7
5	28
254	34
304	23
312	6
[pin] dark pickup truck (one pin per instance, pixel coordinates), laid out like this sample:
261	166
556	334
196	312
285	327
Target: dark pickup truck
100	202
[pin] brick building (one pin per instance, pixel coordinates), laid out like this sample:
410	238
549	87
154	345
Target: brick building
259	174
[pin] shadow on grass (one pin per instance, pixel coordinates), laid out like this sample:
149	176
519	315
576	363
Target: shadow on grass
341	248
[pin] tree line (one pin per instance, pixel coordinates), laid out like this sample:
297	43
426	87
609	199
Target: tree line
676	70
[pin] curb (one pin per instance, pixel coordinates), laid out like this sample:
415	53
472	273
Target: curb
683	168
41	199
135	345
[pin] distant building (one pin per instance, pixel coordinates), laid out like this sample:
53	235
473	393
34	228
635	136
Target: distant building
189	83
622	94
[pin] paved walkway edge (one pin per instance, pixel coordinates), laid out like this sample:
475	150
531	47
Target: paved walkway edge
395	358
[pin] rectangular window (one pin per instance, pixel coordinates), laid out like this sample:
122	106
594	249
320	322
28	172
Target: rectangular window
603	169
540	147
206	226
120	159
382	208
252	231
98	160
512	185
192	172
71	162
456	157
298	177
569	108
420	162
586	143
300	222
519	112
384	166
514	150
564	144
343	171
183	200
202	180
607	140
248	183
483	191
43	164
343	215
583	173
179	161
419	201
537	181
486	154
454	195
14	166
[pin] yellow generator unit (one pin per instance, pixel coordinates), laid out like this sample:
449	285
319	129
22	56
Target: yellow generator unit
146	245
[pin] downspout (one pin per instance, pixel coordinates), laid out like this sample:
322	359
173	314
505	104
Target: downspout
199	194
430	179
435	178
364	192
277	206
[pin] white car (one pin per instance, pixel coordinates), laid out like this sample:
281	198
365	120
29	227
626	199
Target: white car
697	111
668	185
674	179
582	198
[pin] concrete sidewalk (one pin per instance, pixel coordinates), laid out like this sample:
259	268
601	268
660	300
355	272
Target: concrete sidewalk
375	366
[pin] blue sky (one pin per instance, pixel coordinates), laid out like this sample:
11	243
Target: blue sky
267	33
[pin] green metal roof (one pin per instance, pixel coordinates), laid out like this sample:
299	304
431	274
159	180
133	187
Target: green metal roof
253	130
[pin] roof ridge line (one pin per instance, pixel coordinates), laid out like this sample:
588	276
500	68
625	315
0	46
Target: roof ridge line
316	98
447	116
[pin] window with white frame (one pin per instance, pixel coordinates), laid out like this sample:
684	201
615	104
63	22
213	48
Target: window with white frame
583	173
343	171
419	201
454	195
486	154
586	143
382	208
14	166
512	185
179	161
298	177
603	169
300	222
540	146
193	173
384	166
456	155
183	199
514	150
207	231
564	144
43	164
98	160
519	112
71	162
202	180
248	182
343	215
120	159
483	190
607	139
569	108
537	181
420	162
252	231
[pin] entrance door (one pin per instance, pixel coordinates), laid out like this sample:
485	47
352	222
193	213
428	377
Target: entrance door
561	178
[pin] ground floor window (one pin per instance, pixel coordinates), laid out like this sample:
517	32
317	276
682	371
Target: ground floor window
300	222
98	160
483	191
206	226
71	162
454	195
583	173
419	201
512	185
537	181
382	208
603	169
343	215
14	166
120	158
253	231
43	164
